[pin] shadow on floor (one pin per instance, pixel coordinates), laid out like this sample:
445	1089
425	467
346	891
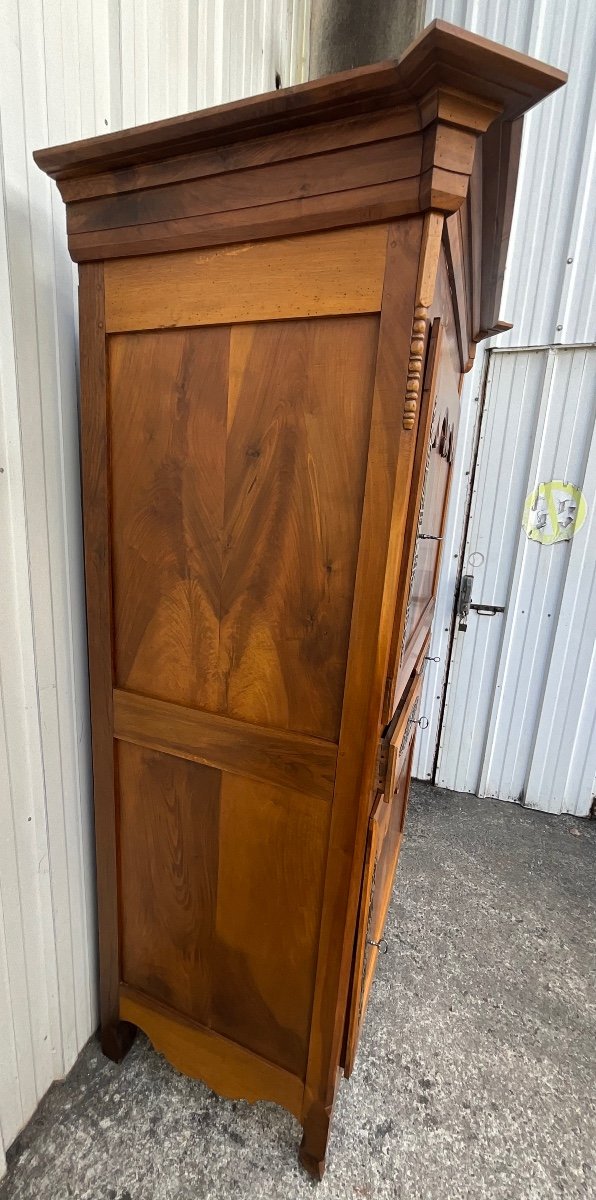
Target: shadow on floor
476	1076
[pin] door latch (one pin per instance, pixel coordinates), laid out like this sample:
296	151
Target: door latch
464	601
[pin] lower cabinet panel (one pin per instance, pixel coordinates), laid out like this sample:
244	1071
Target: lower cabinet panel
197	1051
382	851
220	893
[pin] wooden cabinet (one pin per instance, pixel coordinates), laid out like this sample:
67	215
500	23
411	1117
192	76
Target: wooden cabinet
385	829
277	300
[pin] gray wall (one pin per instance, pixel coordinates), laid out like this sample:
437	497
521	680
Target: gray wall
352	33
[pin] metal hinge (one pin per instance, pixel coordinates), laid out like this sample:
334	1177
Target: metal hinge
381	766
387	695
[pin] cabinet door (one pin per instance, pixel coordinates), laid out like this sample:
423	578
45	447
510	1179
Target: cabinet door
384	838
235	425
426	517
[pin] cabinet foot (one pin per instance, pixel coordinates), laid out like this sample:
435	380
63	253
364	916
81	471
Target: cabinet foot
116	1039
314	1166
313	1147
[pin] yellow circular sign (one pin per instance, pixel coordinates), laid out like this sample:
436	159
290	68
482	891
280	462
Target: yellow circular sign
554	512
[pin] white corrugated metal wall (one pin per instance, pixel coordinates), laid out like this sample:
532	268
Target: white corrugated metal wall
550	296
520	716
71	69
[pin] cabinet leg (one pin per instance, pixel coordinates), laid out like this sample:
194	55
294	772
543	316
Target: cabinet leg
116	1039
313	1147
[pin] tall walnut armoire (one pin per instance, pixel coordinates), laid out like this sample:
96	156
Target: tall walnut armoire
278	298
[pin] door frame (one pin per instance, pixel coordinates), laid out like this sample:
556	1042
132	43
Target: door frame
471	472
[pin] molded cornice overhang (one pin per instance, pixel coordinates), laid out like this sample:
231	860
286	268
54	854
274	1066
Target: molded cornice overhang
367	145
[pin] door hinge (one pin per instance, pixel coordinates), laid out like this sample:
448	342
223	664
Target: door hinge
381	766
387	695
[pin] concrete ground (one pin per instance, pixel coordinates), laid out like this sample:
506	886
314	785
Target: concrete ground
476	1075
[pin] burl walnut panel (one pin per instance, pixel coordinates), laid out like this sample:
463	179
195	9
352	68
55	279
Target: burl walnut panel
236	512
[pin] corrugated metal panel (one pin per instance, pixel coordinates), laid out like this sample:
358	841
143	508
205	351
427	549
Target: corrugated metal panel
548	298
552	223
563	767
540	593
67	71
518	720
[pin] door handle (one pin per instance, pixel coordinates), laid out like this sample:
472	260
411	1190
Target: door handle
464	600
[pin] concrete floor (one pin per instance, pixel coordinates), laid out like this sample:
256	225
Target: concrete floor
476	1076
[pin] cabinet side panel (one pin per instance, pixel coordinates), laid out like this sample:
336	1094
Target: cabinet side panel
239	457
221	881
169	835
98	583
298	420
168	399
322	274
273	846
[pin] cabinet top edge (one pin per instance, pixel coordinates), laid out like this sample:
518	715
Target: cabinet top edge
442	56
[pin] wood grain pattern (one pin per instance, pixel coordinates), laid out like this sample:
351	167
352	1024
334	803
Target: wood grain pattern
330	274
443	400
293	512
98	585
306	764
410	657
355	1014
216	159
386	864
439	417
169	859
168	396
432	524
456	255
273	846
222	1064
220	884
399	653
338	170
357	206
399	733
381	857
390	457
425	287
235	531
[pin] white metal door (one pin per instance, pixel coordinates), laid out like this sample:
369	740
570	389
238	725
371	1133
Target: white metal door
519	719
